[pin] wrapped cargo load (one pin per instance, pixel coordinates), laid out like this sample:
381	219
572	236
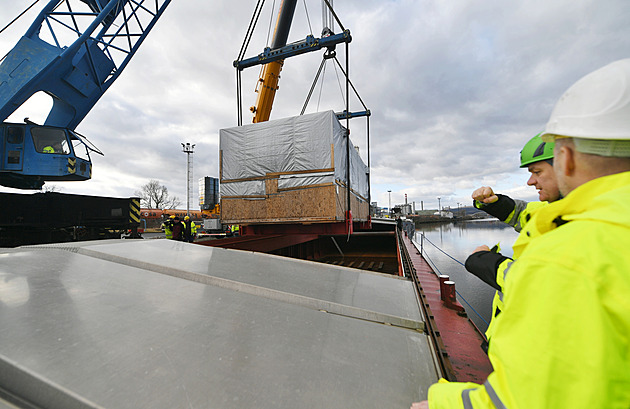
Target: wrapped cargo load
290	170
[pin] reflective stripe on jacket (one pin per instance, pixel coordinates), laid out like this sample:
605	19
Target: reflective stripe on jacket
563	338
522	213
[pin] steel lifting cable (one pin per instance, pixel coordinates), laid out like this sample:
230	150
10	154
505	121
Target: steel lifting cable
327	16
308	18
250	29
344	74
321	87
436	268
20	15
273	7
332	11
339	82
241	54
351	84
14	20
322	69
321	90
310	93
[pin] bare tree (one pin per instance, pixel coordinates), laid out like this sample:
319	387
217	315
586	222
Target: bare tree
50	188
155	196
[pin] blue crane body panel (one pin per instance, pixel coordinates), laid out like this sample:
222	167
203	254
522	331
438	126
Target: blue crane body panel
105	34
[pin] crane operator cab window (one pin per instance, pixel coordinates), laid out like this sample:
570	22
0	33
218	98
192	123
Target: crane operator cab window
15	135
15	142
50	140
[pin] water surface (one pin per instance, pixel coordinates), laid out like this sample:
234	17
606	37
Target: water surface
458	240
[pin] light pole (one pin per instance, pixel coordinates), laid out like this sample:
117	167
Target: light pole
390	203
188	149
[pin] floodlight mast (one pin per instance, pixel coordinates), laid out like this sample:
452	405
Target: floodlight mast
188	149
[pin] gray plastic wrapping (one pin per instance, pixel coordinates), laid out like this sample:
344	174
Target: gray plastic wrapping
289	146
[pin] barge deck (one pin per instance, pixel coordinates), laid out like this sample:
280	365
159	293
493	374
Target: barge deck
165	324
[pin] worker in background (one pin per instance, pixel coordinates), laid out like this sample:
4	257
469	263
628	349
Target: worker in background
53	148
563	339
190	229
489	264
167	225
537	157
235	230
178	229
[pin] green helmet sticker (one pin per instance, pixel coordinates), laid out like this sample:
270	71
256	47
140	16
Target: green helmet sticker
536	150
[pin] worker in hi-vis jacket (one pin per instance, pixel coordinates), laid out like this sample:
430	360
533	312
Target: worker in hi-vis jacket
489	264
190	229
563	338
167	225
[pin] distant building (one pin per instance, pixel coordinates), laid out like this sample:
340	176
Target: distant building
208	192
406	209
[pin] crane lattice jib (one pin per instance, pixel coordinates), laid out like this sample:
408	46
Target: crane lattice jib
74	51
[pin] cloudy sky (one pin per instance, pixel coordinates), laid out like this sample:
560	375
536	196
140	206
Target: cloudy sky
455	89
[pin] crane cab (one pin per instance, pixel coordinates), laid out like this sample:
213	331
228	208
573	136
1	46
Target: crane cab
31	155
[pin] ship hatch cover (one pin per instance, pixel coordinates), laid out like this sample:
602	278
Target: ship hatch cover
165	324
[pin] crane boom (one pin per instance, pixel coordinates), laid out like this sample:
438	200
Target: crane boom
77	74
272	58
270	73
73	51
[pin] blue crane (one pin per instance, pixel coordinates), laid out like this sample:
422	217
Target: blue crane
73	51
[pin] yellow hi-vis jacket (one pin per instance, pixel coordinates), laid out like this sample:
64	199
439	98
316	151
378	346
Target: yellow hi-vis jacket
517	214
168	228
563	339
523	215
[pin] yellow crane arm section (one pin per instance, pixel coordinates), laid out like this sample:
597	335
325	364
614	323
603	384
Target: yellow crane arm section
266	89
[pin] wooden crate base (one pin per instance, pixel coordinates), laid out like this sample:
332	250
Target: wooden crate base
313	204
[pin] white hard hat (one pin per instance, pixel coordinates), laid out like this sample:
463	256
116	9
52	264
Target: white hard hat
596	107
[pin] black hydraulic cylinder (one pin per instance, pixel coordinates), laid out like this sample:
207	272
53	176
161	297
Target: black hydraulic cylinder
283	24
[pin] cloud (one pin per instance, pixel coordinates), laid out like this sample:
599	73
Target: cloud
455	89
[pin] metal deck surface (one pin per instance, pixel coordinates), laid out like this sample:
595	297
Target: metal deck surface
165	324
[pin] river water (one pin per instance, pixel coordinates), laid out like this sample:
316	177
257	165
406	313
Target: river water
458	240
